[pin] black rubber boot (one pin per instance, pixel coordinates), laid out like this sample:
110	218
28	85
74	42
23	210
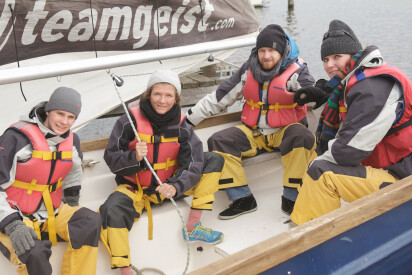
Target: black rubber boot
287	206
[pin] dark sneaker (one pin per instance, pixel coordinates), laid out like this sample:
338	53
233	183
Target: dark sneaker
239	207
292	225
287	206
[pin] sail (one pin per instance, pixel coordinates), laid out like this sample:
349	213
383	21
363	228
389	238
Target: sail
49	32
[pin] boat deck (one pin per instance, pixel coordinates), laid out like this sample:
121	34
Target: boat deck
167	251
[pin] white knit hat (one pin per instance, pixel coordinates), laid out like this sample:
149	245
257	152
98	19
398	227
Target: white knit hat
165	76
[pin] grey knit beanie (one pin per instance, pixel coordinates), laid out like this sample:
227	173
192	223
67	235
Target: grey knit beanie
165	76
272	36
65	99
339	39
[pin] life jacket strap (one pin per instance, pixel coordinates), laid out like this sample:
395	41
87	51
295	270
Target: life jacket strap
164	165
33	186
156	139
265	107
46	155
147	206
45	189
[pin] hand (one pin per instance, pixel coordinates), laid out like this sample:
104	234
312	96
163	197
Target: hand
141	150
71	200
321	84
166	190
310	94
21	236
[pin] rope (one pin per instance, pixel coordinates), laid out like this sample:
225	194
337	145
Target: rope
154	173
15	47
201	11
146	270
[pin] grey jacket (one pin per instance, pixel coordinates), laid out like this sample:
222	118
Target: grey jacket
15	147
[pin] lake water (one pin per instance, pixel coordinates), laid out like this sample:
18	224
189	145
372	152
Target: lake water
384	23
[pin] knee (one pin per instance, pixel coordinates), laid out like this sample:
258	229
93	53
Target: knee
317	168
213	162
39	253
118	211
298	136
84	228
214	141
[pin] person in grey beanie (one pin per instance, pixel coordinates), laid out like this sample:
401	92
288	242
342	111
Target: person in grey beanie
40	174
271	120
174	151
364	130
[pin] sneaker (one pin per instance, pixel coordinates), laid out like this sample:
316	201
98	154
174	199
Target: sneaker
292	224
239	207
287	206
203	234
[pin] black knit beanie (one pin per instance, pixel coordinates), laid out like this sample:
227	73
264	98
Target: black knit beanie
272	36
339	39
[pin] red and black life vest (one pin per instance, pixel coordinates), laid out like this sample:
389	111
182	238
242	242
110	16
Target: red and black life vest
165	162
38	175
280	108
397	143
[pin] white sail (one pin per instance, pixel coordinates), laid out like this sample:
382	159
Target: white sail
43	39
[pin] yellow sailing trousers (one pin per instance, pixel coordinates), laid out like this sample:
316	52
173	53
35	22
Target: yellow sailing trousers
125	206
295	143
322	194
78	226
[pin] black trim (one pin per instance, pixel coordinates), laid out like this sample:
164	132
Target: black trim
398	128
225	181
295	181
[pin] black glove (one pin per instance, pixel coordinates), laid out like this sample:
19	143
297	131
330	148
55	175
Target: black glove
310	94
21	236
319	94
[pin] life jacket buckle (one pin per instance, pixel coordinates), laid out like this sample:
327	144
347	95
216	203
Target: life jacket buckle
265	107
256	132
57	155
53	187
156	139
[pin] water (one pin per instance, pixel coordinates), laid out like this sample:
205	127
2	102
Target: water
384	23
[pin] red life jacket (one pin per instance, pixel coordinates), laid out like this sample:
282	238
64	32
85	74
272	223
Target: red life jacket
280	108
37	172
397	143
165	162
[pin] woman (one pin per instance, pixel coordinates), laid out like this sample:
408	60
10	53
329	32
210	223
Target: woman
176	154
364	131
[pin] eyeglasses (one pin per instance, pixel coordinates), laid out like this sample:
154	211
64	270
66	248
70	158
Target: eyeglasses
337	33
